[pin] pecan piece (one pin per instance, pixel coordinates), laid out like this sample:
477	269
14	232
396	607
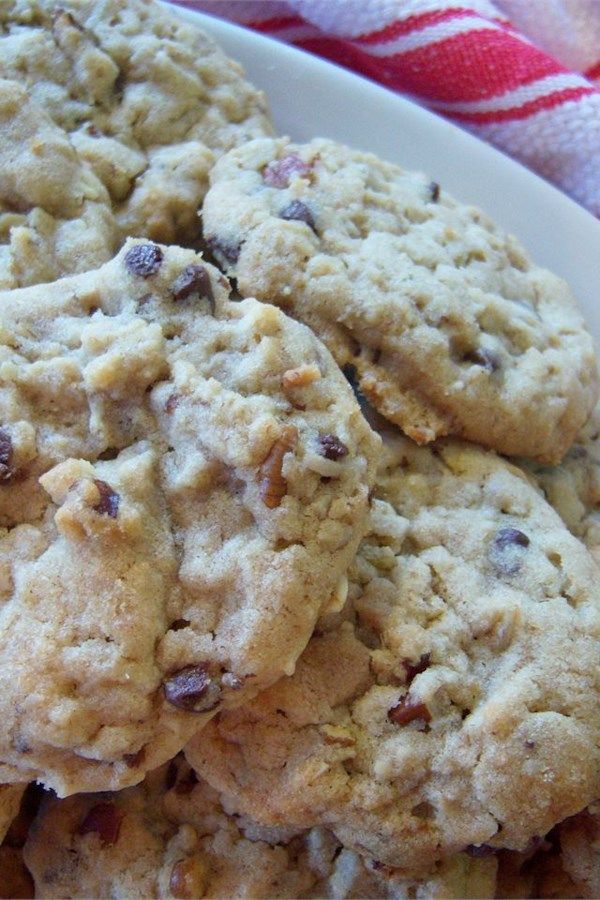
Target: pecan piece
188	878
273	486
407	710
280	172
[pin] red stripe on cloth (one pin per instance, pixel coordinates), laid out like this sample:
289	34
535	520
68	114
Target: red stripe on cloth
276	24
475	65
416	22
593	72
549	101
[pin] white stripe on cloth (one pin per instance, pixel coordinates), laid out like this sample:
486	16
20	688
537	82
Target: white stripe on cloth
542	87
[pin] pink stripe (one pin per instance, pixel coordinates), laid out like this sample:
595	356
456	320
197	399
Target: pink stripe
474	65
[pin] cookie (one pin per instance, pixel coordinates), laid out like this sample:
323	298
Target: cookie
183	483
573	487
55	215
446	322
144	96
579	842
10	801
454	705
172	837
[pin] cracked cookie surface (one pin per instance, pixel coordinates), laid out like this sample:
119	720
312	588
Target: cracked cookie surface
451	328
454	703
55	214
183	484
144	96
171	836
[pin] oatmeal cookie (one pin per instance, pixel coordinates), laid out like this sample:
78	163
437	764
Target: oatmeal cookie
183	483
450	327
171	836
573	487
55	214
455	704
145	97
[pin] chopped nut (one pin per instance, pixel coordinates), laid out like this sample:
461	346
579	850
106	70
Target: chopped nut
280	172
273	486
108	504
192	689
301	376
414	669
144	260
104	819
408	710
188	878
6	456
336	734
331	447
193	280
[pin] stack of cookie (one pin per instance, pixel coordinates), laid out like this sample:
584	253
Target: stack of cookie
279	617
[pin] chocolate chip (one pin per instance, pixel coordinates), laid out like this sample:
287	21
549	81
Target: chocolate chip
192	689
227	249
134	759
6	456
144	260
407	710
297	211
483	357
434	191
509	536
92	130
505	551
278	173
477	851
193	280
108	504
414	669
530	745
331	447
104	819
187	784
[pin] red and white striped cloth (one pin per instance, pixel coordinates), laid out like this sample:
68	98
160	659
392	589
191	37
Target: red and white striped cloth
522	74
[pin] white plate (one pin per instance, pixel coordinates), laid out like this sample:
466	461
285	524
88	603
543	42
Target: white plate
310	97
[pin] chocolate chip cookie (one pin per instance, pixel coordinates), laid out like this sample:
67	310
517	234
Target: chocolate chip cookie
55	214
144	96
172	837
573	487
453	705
447	325
183	483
